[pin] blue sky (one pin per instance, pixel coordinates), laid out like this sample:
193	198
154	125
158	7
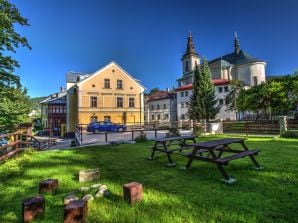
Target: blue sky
148	38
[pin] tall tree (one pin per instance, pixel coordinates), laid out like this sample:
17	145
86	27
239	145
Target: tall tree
14	102
203	104
9	41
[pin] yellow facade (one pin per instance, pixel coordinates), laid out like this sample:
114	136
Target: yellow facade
121	101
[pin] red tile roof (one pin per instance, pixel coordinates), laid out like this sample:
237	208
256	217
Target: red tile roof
216	82
160	95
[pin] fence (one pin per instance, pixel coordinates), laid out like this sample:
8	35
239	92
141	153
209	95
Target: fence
249	127
82	137
12	143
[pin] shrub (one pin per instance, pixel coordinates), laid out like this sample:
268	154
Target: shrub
290	134
141	138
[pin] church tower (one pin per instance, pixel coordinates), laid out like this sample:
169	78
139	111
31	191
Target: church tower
190	59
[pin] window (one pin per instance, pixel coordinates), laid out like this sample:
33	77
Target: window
226	88
219	89
183	116
119	102
107	83
152	117
131	102
186	93
164	106
182	104
152	107
157	107
165	116
182	94
221	101
107	118
93	119
255	80
158	117
186	66
119	84
93	102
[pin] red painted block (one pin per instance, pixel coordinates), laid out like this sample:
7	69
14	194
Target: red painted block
76	212
133	192
33	207
49	185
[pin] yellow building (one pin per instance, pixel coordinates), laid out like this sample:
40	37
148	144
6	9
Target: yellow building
108	94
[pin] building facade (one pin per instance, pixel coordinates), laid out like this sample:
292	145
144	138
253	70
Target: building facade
53	113
237	65
162	107
108	94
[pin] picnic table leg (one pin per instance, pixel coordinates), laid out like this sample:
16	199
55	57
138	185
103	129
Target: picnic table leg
257	165
170	163
226	179
153	152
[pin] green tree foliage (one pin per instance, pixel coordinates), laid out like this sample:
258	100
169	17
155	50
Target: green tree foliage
14	102
276	97
14	107
203	104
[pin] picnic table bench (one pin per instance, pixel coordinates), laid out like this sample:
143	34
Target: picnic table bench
215	149
165	145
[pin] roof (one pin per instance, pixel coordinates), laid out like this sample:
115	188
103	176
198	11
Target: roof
56	98
216	82
160	95
236	59
107	66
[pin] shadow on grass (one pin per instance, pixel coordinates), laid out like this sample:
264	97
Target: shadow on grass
257	196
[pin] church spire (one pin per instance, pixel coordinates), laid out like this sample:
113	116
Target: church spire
236	44
190	48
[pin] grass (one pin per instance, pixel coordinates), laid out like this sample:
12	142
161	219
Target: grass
170	194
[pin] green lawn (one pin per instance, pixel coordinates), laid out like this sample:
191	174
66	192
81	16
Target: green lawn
170	194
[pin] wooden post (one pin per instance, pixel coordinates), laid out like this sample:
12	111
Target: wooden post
155	133
132	135
16	146
106	137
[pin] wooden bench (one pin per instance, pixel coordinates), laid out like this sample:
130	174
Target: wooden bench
238	155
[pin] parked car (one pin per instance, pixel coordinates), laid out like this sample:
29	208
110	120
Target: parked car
97	127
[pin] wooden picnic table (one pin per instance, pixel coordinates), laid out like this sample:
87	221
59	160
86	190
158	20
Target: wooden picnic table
165	145
212	151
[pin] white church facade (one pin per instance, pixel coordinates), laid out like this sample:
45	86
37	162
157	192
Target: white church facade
237	65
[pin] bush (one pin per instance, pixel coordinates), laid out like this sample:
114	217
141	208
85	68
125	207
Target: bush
141	138
198	130
290	134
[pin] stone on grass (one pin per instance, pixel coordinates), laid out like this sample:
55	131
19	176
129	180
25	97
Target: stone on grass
89	175
70	198
95	186
103	187
84	188
102	192
88	197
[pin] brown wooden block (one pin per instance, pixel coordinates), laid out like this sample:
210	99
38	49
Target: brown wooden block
133	192
76	212
33	207
48	185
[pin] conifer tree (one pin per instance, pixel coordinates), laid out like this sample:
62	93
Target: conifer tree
203	104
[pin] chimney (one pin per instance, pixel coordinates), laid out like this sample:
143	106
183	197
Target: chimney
168	89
